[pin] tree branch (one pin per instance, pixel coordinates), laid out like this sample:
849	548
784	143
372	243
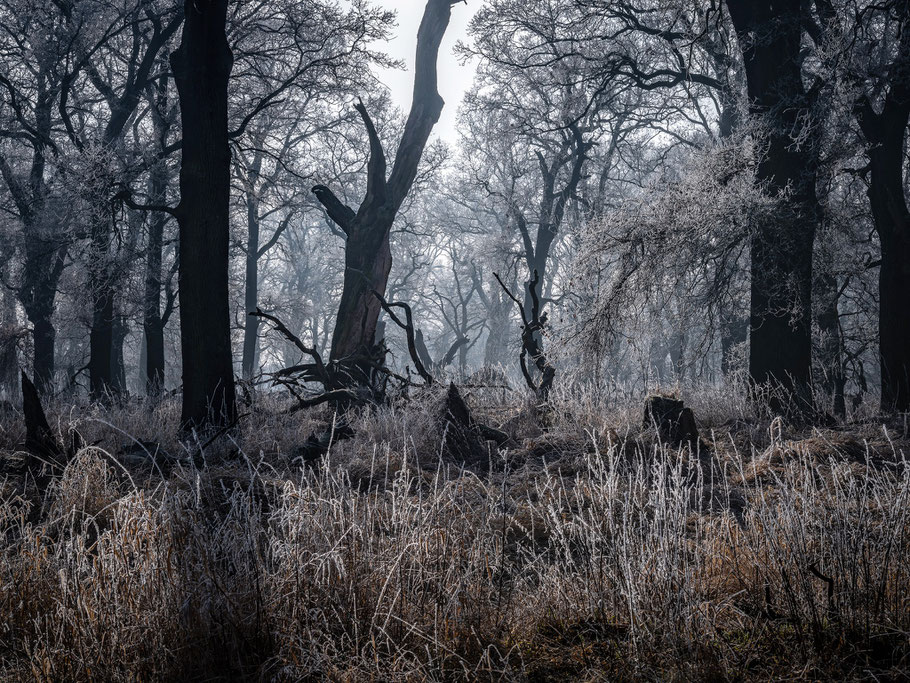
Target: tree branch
408	327
341	214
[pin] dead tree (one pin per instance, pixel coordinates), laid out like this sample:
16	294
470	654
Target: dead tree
531	343
46	456
417	350
368	257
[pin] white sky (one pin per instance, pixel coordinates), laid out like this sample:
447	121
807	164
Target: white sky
454	79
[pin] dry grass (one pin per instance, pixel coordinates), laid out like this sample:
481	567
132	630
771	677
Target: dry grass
590	551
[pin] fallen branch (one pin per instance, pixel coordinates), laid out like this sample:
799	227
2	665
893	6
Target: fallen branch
327	397
321	372
408	327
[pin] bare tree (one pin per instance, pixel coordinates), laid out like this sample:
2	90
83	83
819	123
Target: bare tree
368	257
30	84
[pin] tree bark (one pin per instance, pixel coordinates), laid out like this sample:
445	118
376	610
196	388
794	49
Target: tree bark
152	324
44	263
780	352
884	133
251	283
118	366
202	65
159	178
368	257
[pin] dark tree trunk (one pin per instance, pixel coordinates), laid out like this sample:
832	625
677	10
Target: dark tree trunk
44	262
884	133
251	302
251	283
10	333
368	261
44	336
39	438
734	319
831	357
551	211
101	335
152	322
780	352
118	367
894	321
45	247
368	257
202	66
103	278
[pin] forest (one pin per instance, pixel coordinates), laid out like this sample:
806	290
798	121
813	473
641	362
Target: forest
609	379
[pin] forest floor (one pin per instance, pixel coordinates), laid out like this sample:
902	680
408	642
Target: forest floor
583	549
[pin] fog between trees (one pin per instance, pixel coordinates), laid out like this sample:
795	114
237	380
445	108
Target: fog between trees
695	191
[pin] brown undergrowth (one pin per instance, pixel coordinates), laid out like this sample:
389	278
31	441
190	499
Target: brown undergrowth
585	550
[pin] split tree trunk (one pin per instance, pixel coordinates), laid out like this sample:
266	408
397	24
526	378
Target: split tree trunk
45	245
202	66
552	210
368	256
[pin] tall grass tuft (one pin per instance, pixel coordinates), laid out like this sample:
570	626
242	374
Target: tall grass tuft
585	550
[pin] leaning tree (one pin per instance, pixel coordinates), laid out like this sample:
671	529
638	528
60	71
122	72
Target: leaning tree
368	255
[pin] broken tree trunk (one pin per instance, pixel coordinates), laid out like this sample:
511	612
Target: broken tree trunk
39	439
674	422
463	438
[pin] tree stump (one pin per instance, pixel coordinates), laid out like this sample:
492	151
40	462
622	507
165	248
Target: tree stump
462	441
674	422
39	439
